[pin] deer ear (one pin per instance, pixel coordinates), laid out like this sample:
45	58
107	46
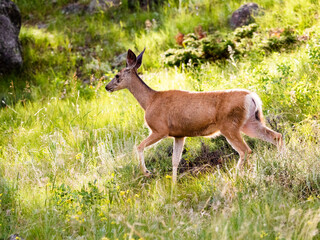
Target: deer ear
139	59
131	59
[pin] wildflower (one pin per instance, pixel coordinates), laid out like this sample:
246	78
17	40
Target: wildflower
104	238
122	193
263	234
168	177
136	195
90	86
78	156
100	144
310	198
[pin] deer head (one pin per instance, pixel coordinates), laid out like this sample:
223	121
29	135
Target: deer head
123	78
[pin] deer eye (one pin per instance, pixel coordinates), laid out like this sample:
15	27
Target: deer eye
118	78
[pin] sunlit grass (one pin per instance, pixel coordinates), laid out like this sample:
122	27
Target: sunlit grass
76	141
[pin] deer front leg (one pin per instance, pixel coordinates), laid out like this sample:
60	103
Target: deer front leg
176	156
153	138
238	144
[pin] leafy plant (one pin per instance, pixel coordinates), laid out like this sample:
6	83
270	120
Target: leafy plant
243	41
284	41
246	31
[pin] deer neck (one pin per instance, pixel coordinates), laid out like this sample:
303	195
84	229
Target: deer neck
141	91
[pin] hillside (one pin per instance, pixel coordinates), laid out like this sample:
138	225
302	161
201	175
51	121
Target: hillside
68	162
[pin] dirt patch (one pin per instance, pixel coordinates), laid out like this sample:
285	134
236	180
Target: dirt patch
207	160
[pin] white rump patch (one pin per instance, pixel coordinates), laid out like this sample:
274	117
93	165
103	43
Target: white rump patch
252	103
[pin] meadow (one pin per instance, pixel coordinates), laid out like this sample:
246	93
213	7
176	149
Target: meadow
68	163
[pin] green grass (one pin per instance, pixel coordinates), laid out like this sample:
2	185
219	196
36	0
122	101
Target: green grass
68	166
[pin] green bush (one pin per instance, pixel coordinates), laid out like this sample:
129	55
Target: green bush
286	40
195	50
246	31
246	40
214	50
175	57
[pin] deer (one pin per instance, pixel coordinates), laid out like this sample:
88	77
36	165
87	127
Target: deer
180	114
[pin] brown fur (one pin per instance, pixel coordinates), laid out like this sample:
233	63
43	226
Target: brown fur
181	114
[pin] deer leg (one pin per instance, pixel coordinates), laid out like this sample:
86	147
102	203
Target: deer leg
238	144
257	130
153	138
176	156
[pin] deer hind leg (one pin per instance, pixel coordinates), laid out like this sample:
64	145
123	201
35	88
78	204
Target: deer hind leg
153	138
235	139
176	156
254	128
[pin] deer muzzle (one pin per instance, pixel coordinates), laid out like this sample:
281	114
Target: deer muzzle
109	89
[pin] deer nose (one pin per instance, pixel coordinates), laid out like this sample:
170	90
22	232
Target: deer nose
109	89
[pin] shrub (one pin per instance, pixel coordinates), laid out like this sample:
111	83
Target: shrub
195	50
214	50
243	41
286	39
175	57
246	31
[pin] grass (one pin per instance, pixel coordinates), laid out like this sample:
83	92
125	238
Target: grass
68	166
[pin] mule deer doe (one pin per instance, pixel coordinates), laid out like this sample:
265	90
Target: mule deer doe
181	114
